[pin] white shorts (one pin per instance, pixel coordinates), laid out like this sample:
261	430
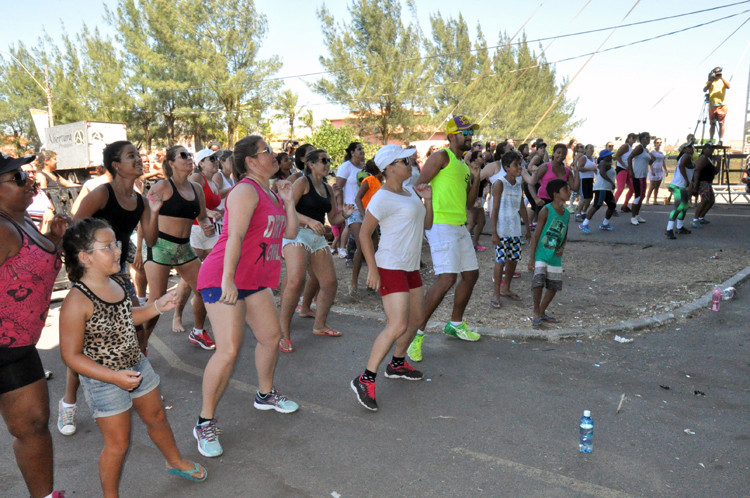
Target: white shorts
451	249
199	240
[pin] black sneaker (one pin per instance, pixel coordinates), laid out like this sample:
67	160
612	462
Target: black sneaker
670	234
625	209
405	371
365	393
683	231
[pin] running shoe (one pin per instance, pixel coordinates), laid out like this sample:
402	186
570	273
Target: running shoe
703	222
479	248
616	214
579	218
202	339
696	224
670	234
625	209
365	392
683	231
66	419
634	221
461	331
415	348
208	441
405	371
342	253
516	274
584	228
606	227
640	219
275	401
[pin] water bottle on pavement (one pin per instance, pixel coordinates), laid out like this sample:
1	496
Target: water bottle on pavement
586	430
716	299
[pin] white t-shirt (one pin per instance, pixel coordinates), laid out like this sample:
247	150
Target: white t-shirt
412	180
348	171
401	220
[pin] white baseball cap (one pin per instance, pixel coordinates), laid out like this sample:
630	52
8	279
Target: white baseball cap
390	153
204	153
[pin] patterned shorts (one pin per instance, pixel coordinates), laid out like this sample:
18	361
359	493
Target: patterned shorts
548	276
509	249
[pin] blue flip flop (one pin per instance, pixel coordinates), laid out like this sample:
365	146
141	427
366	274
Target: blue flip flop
189	474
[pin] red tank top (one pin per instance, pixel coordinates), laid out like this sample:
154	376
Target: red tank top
212	200
26	282
260	255
548	177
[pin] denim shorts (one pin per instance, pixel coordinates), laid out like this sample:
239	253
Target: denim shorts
107	400
356	217
211	295
308	239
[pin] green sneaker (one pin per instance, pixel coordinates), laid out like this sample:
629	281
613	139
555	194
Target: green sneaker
461	331
415	348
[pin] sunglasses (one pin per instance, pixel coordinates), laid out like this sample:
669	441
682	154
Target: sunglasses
111	247
266	150
213	159
185	155
465	133
20	177
325	160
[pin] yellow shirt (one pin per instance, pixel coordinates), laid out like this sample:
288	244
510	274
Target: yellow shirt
449	191
717	92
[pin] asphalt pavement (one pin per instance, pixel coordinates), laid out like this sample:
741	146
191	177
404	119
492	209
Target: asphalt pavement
495	418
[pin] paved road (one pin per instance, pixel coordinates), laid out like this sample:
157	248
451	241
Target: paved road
496	418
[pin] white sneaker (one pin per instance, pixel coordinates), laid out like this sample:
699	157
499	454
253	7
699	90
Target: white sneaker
634	221
342	253
640	220
66	419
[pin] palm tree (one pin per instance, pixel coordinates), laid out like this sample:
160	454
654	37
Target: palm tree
288	109
308	120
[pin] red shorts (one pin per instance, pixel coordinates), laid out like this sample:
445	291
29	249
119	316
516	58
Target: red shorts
398	281
718	113
337	229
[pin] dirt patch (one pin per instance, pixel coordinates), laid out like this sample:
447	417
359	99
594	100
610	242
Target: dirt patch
603	284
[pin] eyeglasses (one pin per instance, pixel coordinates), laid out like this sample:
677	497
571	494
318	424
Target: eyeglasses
465	133
113	246
266	150
185	155
325	160
20	177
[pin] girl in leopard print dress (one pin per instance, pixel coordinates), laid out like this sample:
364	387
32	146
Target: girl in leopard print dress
98	341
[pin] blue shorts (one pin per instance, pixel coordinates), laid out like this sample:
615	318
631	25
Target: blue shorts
356	217
106	399
212	295
307	238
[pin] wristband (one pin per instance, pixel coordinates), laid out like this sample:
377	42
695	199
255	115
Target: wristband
157	308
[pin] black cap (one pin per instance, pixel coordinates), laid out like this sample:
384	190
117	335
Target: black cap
8	163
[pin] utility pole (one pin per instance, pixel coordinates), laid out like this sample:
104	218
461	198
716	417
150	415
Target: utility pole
48	91
746	128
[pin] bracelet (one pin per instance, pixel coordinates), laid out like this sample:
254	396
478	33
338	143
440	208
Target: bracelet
157	308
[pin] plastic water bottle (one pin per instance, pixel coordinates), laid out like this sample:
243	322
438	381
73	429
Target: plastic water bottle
586	431
716	299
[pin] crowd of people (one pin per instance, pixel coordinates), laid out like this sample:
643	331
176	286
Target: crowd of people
226	221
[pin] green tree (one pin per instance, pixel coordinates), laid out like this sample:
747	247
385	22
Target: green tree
363	76
308	120
288	110
333	140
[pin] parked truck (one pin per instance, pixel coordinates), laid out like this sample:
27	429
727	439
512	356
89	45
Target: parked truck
79	145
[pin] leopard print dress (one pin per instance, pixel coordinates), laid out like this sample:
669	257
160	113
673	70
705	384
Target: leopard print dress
109	338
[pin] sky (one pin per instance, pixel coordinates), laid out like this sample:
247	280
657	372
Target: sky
653	86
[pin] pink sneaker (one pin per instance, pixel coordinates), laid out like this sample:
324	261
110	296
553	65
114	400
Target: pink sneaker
480	248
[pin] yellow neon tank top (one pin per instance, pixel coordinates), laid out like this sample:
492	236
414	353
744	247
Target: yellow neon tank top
449	191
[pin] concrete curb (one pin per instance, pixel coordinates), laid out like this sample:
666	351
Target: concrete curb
628	326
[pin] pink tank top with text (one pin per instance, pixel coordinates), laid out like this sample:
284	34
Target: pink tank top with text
260	256
26	282
548	177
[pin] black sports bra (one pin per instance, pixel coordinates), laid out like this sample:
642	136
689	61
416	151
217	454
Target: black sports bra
178	207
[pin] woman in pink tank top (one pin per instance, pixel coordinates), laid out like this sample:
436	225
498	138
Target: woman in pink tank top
555	169
29	263
236	280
